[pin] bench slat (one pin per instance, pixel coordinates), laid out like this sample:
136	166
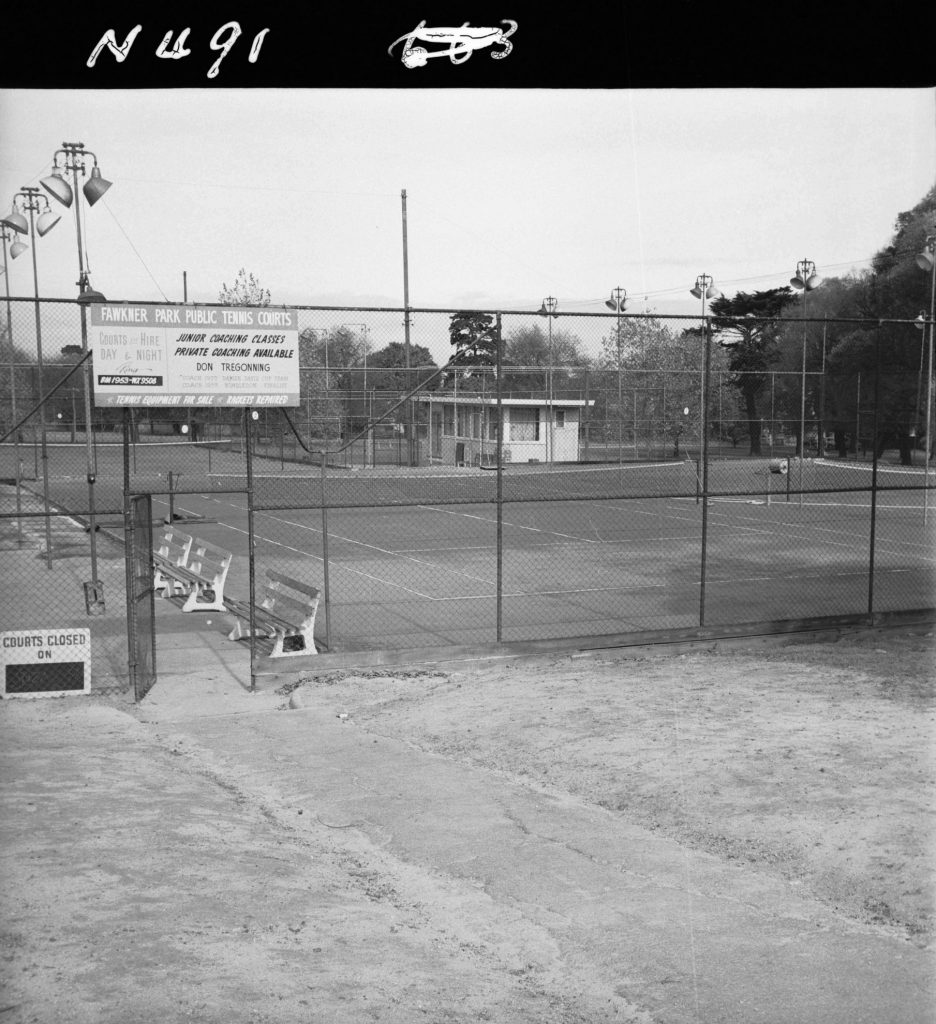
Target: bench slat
277	600
303	588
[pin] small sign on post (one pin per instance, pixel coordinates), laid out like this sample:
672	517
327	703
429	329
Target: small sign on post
45	662
94	597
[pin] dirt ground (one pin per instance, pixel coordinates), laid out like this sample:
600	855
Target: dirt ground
149	873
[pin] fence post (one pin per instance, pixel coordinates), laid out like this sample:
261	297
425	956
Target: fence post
248	446
325	582
874	468
45	500
129	561
499	600
704	458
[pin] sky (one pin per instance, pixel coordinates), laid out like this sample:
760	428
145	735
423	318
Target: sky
512	195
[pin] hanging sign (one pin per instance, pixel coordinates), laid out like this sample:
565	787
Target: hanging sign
194	355
45	662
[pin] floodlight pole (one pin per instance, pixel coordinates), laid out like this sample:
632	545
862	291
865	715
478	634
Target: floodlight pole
30	195
9	337
410	432
704	289
617	302
74	154
548	310
805	279
927	260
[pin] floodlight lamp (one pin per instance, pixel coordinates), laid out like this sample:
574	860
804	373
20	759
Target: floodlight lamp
96	186
46	222
18	248
924	259
813	282
798	283
697	292
712	292
15	220
57	186
611	304
87	295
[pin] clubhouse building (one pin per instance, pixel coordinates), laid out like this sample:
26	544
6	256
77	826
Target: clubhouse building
463	429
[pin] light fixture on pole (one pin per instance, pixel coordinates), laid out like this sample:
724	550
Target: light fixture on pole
74	156
805	280
617	303
15	220
548	310
926	260
704	289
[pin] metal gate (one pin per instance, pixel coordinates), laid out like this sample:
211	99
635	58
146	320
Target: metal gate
141	602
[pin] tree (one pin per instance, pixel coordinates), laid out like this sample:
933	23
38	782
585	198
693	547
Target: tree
246	291
330	371
393	362
748	324
531	346
894	288
648	380
474	338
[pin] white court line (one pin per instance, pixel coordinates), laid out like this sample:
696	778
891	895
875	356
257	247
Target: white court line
728	581
893	546
554	593
882	470
370	547
780	533
516	526
356	572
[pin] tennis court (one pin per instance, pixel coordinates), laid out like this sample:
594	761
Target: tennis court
444	556
586	550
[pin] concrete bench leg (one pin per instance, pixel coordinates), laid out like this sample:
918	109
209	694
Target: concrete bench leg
197	601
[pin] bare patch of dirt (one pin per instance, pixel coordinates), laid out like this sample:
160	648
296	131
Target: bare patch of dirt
146	879
814	762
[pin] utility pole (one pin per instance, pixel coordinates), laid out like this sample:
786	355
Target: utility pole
410	440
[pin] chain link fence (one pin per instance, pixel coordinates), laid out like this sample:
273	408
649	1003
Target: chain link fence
597	480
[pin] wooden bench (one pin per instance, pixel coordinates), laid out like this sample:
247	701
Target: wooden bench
200	577
286	613
171	551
